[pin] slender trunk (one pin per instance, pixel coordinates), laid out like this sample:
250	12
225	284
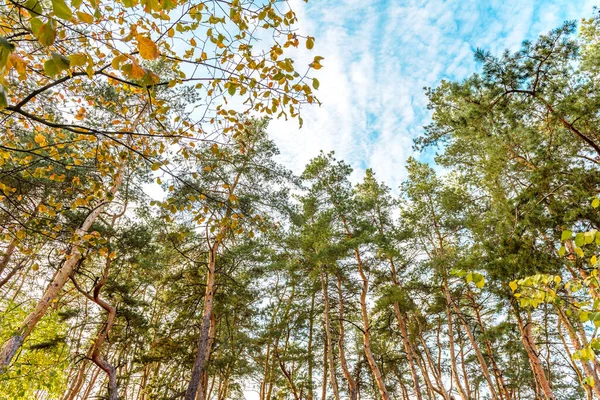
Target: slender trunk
332	377
367	330
203	340
91	384
10	249
79	380
200	359
580	377
490	352
454	367
482	363
311	320
463	366
533	355
405	339
434	369
12	345
325	370
96	348
587	368
344	364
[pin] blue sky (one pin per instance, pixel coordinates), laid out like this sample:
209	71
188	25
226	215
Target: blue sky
378	57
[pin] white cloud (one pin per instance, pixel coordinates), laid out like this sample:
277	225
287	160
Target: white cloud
378	57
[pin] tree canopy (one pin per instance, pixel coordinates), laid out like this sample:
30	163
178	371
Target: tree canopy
152	246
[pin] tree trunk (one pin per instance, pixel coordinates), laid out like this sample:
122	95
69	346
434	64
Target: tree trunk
454	367
405	339
482	363
332	377
497	372
367	330
352	390
200	360
532	354
587	368
310	346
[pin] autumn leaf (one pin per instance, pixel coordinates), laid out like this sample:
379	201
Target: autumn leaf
148	49
47	33
3	98
40	139
62	10
85	17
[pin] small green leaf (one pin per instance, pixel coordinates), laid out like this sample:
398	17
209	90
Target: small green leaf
480	283
35	24
316	83
562	251
50	67
566	235
62	10
61	61
231	90
3	98
34	7
310	42
579	239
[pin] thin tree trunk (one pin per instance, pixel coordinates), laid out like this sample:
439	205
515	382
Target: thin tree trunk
200	359
497	372
587	368
482	363
96	348
454	367
352	390
533	355
405	339
332	377
310	346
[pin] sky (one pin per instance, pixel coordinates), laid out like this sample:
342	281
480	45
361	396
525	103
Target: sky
380	54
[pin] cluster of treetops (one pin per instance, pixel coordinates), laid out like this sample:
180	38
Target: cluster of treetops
474	280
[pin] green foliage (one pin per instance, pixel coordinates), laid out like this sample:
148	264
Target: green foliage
40	366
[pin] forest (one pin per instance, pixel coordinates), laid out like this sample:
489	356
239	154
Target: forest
152	246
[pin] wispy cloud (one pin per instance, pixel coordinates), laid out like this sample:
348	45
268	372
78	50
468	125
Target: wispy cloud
378	57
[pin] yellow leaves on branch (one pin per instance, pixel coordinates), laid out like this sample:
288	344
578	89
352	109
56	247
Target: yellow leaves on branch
147	48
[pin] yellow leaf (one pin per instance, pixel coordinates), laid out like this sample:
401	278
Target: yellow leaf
85	17
80	114
148	49
513	285
40	139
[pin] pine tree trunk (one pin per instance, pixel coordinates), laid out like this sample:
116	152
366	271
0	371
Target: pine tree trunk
587	368
503	390
405	339
482	363
532	354
332	377
200	359
310	346
454	367
367	329
352	391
